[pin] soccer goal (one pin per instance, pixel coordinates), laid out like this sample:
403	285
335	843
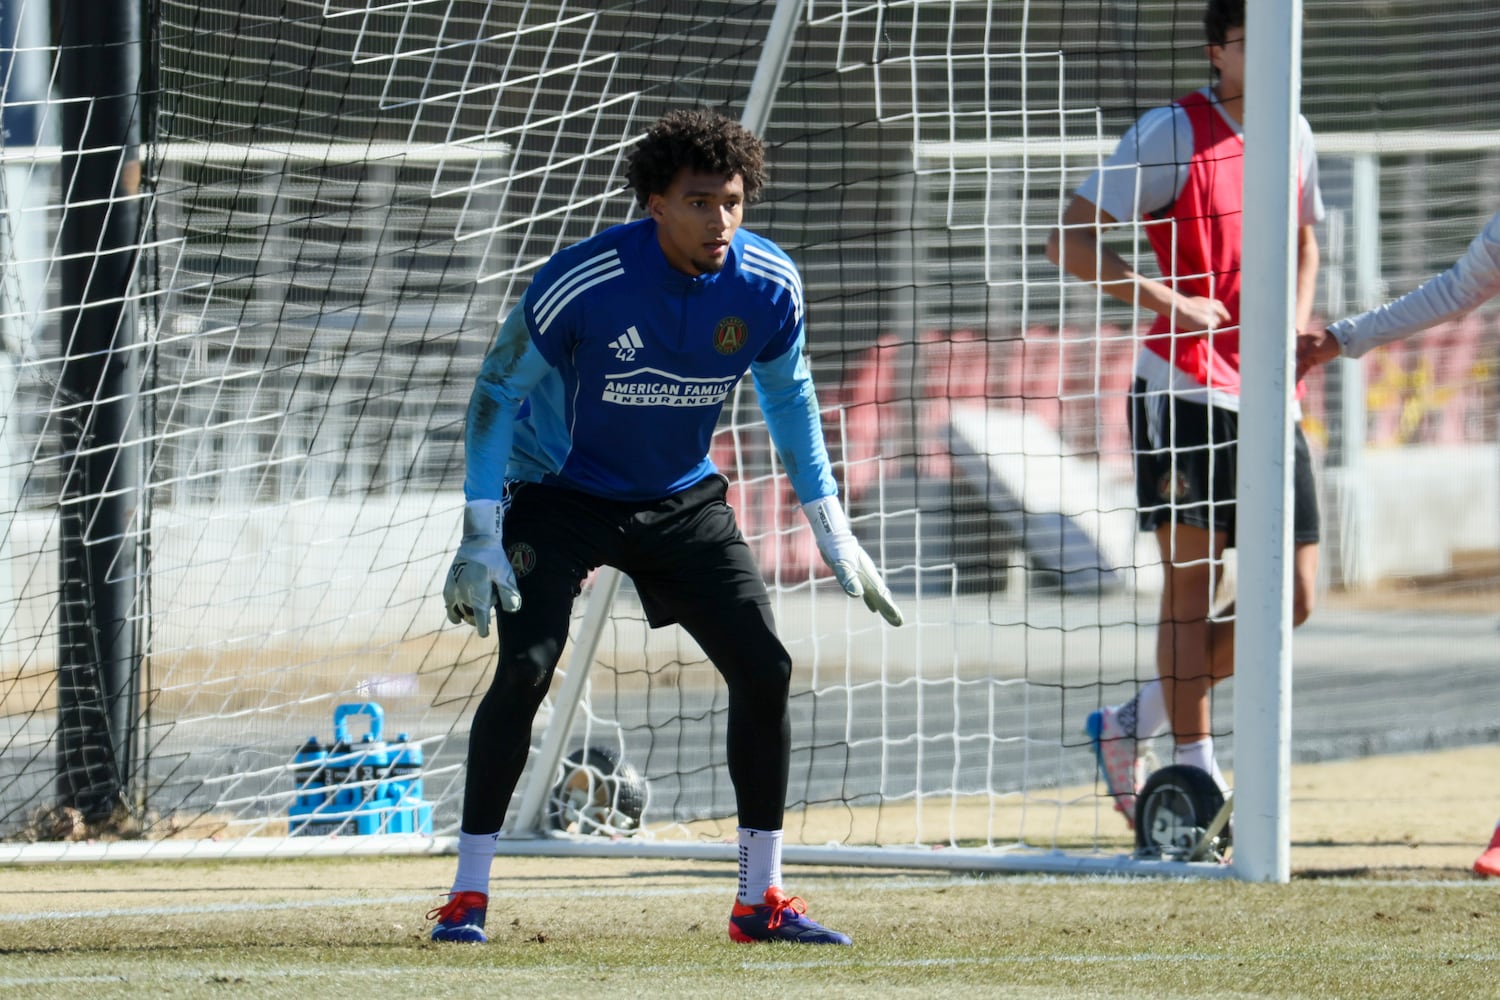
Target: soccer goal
226	511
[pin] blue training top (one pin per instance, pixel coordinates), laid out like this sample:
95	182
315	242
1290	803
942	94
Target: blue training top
610	375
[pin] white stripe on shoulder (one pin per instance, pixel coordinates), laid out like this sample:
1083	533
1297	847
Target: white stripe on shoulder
594	271
771	262
775	269
560	285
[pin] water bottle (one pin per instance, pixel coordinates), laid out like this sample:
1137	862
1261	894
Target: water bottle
405	770
308	774
371	762
348	763
337	771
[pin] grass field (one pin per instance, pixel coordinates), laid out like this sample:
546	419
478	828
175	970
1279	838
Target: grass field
1381	904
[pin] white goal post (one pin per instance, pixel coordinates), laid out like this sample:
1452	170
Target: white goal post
1263	606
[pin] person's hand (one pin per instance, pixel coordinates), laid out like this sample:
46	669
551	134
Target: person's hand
1314	347
481	577
1200	313
850	563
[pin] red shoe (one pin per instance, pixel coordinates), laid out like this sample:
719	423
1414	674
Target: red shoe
1489	861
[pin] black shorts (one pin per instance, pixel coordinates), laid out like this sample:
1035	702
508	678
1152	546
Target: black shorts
1186	466
684	553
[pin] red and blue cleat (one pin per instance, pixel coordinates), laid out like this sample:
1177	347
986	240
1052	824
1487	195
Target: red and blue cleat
461	919
779	918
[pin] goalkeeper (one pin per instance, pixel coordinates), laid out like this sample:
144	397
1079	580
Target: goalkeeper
587	444
1468	284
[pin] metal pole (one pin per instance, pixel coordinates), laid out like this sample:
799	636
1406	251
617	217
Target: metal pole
24	67
772	64
1369	292
1263	628
99	72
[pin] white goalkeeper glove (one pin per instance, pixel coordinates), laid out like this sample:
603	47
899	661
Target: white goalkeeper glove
850	563
481	576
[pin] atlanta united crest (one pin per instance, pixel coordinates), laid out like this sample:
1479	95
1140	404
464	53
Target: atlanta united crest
730	335
522	558
1172	486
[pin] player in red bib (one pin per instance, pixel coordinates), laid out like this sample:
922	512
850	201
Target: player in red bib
1178	176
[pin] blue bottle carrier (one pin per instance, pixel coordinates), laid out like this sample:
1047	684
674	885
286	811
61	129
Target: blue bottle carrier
358	788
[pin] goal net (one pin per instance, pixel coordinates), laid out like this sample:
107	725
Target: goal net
339	199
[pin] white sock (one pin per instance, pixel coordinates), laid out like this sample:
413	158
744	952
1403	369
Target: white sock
475	853
1150	712
1144	716
760	864
1201	756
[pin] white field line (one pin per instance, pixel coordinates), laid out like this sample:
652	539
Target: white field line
823	962
894	884
621	892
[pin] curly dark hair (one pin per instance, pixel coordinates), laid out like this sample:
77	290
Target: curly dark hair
1220	16
701	140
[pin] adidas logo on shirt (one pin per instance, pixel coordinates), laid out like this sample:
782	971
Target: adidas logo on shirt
626	344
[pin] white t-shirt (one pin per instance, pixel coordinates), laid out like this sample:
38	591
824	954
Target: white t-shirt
1468	284
1145	175
1146	172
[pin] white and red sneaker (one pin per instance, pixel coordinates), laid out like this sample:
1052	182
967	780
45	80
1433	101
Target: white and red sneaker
1119	758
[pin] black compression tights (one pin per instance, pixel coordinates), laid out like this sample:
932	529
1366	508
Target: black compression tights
742	644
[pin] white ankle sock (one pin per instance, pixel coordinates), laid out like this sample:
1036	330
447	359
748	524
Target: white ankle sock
1144	716
1201	756
476	851
1150	712
760	864
1197	754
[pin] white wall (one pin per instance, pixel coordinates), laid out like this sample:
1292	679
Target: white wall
1419	504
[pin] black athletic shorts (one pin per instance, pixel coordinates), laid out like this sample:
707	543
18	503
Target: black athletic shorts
1186	460
684	553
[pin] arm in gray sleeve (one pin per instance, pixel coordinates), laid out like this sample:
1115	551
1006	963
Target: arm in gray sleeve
1462	288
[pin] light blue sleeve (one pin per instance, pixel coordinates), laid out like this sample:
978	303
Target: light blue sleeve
1468	284
511	369
784	387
